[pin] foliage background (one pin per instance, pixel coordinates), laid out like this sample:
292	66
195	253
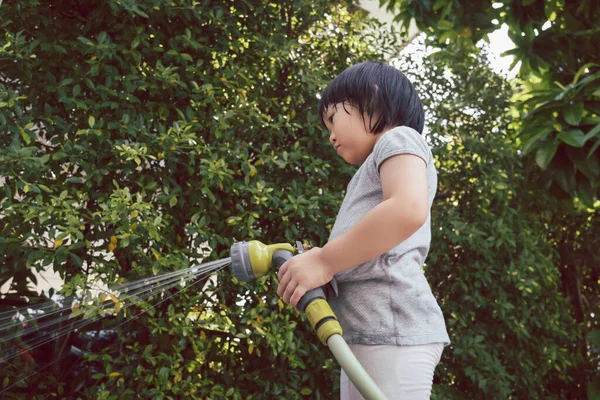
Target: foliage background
141	138
556	50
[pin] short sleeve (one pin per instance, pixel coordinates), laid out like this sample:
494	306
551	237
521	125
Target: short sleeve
400	140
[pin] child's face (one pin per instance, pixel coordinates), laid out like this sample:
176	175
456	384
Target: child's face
348	133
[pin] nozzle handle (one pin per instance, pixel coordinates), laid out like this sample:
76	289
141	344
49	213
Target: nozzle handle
280	257
314	302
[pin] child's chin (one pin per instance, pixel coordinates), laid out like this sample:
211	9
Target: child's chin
349	159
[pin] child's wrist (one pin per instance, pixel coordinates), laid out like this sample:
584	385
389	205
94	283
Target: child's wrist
328	260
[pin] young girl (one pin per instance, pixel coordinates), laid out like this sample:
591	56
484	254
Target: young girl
381	234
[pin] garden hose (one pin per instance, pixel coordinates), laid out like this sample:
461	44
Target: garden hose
253	259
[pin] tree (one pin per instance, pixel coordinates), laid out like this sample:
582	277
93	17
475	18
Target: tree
556	44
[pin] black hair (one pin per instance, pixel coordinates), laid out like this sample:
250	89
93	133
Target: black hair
379	90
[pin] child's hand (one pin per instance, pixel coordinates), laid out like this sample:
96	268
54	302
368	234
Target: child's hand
302	273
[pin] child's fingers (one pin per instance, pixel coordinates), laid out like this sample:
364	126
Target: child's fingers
289	291
284	280
282	270
298	293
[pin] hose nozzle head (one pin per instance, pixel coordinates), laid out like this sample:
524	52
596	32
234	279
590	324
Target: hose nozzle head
251	260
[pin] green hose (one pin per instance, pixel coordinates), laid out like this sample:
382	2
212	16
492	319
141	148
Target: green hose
356	373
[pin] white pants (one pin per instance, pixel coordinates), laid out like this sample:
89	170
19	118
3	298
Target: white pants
401	372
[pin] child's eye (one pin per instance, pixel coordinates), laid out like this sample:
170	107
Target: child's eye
330	119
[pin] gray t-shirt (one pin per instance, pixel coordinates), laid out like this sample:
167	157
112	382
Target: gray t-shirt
387	300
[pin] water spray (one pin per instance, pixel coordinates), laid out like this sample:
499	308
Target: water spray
253	259
25	329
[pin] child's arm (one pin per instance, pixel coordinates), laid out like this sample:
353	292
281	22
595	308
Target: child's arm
403	211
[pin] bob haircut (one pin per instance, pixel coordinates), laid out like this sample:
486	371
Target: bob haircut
379	91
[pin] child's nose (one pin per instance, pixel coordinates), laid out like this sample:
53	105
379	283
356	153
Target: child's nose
332	138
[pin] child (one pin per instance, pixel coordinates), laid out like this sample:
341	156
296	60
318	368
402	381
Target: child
381	234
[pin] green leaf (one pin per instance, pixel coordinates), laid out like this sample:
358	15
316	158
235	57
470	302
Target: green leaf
573	113
545	154
582	70
75	179
444	25
91	119
152	185
140	12
573	137
594	148
306	391
533	137
593	132
24	135
76	259
439	4
77	313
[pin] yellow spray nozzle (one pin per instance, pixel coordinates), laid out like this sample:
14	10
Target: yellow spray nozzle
261	255
251	260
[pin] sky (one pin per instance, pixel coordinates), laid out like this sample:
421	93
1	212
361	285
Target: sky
499	43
